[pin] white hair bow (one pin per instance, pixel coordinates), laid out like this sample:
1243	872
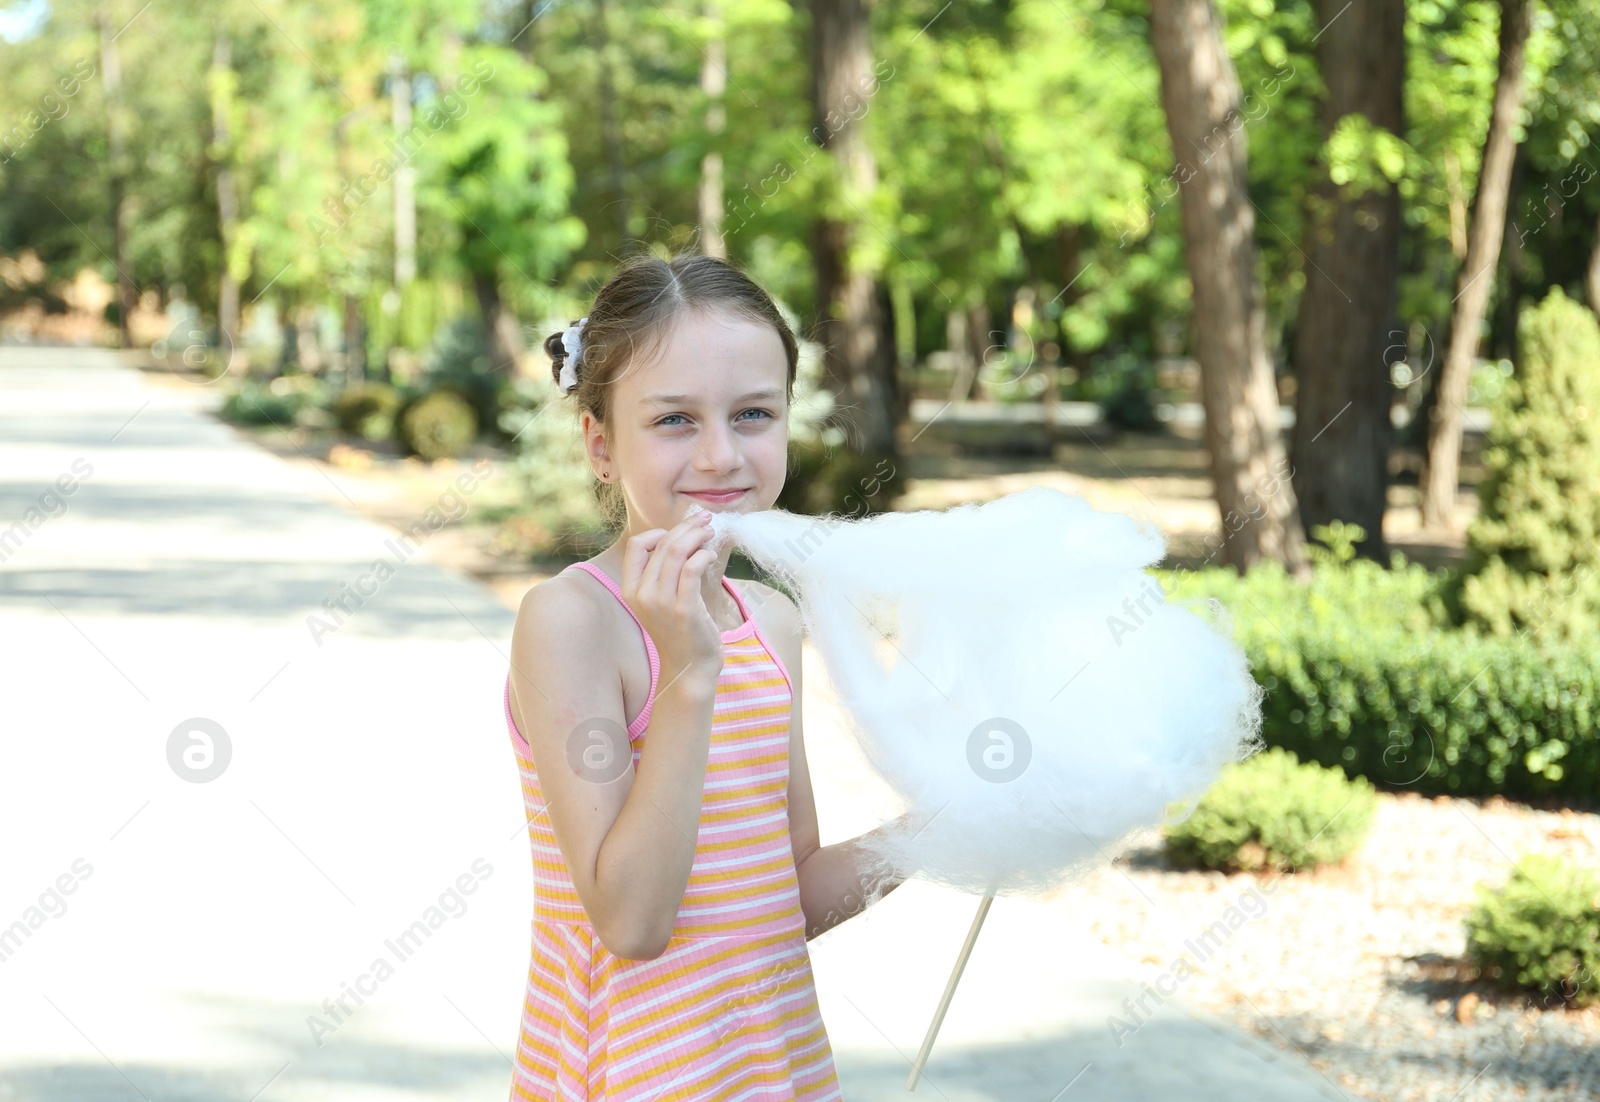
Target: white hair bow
572	342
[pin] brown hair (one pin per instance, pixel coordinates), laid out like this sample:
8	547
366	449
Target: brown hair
635	311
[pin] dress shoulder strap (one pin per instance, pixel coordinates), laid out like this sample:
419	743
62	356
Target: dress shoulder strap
643	718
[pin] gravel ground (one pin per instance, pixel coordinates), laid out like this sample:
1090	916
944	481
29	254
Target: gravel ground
1360	967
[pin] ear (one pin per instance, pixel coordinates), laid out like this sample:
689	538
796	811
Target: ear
594	442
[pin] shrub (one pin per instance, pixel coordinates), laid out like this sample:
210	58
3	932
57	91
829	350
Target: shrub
1272	811
1127	389
367	410
823	479
559	512
437	425
1534	547
1358	675
459	359
258	402
1540	930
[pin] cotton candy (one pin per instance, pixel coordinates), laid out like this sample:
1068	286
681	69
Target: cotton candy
1015	676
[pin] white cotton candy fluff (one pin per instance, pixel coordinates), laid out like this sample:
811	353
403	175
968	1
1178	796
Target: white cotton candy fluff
1015	676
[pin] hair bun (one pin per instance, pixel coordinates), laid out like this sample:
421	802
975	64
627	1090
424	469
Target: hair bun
557	353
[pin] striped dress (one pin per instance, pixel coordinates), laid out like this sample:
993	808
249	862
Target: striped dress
729	1011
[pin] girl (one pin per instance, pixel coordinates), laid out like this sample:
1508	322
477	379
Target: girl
655	713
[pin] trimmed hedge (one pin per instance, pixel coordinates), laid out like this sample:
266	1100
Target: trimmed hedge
1359	673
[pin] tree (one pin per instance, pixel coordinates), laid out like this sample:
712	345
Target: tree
1441	470
116	143
852	322
1345	337
713	82
1534	548
1201	96
223	83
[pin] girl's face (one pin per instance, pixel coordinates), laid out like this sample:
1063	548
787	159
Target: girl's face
707	413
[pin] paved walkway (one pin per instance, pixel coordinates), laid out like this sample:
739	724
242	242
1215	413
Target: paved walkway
194	906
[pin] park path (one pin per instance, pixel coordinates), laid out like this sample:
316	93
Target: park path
191	920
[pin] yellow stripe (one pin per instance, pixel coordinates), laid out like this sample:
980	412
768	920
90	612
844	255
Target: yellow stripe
709	998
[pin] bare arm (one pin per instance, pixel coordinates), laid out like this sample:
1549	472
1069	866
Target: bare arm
628	840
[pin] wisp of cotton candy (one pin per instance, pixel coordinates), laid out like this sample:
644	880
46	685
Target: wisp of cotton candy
1015	675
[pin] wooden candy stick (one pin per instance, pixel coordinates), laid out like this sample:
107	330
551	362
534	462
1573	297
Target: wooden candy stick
949	992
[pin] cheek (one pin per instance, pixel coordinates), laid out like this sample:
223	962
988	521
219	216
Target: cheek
770	452
665	455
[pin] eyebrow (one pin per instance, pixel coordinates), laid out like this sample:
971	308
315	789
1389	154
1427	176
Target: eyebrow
680	399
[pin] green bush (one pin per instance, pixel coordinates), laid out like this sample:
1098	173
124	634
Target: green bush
825	479
367	410
459	360
438	425
1272	811
1358	675
1534	548
1540	931
1127	390
259	402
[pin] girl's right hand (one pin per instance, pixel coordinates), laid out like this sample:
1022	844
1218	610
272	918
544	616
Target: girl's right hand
663	573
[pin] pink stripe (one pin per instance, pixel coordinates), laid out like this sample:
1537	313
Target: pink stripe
748	627
707	1016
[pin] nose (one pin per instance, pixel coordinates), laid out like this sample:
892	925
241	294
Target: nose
717	450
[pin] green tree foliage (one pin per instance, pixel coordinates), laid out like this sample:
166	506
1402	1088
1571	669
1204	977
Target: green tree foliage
1017	143
312	147
1534	547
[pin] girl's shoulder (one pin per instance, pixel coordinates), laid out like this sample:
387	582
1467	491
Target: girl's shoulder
563	655
568	611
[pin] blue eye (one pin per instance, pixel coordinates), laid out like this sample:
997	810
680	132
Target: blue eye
663	422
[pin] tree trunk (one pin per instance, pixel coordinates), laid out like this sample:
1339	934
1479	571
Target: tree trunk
308	341
1592	279
1069	243
1441	469
959	347
527	39
405	177
227	193
1201	96
1502	335
609	132
116	141
1458	206
852	325
970	337
713	82
980	338
499	323
355	341
1345	340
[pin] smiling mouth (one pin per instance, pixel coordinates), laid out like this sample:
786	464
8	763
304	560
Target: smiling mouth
717	495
